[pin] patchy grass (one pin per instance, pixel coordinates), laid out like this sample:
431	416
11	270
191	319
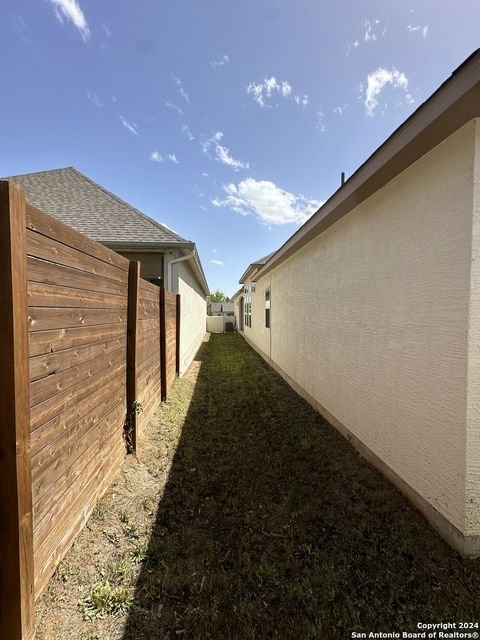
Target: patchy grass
248	516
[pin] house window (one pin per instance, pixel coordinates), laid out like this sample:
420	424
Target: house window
267	307
248	310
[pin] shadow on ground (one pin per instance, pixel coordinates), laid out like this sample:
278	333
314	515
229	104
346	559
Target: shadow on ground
271	526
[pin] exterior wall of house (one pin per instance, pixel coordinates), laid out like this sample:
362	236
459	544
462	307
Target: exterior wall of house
373	320
472	525
193	313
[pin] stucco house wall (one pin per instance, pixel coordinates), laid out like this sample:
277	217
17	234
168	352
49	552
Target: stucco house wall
376	320
193	313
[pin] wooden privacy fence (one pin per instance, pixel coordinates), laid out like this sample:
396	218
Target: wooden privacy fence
84	341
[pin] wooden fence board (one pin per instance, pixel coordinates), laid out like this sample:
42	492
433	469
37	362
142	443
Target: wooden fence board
17	618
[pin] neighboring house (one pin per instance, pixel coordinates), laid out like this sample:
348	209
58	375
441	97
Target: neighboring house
375	308
222	308
242	299
166	258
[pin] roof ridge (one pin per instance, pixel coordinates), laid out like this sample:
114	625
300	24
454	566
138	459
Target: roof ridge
127	204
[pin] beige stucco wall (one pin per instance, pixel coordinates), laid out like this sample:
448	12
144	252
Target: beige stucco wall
373	320
472	525
193	313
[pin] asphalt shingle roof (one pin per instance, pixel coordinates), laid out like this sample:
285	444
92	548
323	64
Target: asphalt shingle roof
89	208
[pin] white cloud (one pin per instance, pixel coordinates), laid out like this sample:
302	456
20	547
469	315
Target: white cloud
215	250
340	109
222	153
372	31
413	28
351	46
378	80
270	204
129	125
302	101
107	30
156	156
187	132
71	11
263	92
181	88
95	100
220	61
175	107
321	121
219	262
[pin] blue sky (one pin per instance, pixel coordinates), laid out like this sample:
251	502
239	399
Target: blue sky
228	121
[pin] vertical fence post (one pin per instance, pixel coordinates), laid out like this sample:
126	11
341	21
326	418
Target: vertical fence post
163	346
177	336
132	333
17	596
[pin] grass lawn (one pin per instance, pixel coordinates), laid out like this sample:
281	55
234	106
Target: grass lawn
248	516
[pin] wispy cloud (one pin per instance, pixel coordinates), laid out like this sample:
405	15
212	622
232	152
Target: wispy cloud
129	125
270	204
302	101
213	148
219	262
107	31
156	156
95	100
340	109
263	92
377	81
174	107
186	131
373	30
180	87
321	126
215	250
413	28
71	11
220	62
22	28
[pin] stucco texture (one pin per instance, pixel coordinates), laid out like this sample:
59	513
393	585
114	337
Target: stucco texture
193	313
375	319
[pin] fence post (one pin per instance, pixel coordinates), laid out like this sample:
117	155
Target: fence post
177	335
163	346
132	333
17	598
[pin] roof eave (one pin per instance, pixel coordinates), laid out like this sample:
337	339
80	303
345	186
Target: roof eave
453	104
147	247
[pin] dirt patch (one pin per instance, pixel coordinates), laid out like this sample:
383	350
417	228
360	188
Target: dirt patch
248	516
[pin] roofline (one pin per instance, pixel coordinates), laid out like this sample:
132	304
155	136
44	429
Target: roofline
453	104
156	224
146	247
251	268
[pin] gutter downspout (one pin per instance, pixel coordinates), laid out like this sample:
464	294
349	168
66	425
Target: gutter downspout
189	256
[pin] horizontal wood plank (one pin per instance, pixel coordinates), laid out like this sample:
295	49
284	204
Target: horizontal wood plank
52	363
47	388
40	246
42	271
46	318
